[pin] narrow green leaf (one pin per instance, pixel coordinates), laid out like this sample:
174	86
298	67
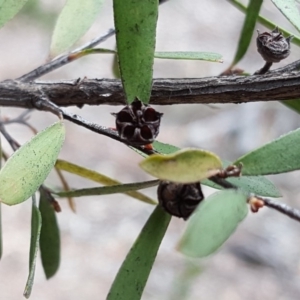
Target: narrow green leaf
50	237
207	56
278	156
135	23
107	190
36	223
73	22
9	8
258	185
134	272
30	165
185	166
100	178
267	23
164	148
213	222
79	54
289	8
292	104
247	31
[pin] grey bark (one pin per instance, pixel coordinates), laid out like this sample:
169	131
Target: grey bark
220	89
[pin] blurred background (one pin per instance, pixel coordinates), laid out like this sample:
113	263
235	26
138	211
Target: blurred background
260	261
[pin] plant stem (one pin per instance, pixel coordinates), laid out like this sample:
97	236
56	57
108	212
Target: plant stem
63	60
264	69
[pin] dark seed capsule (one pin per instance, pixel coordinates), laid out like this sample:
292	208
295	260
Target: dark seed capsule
138	123
179	200
273	46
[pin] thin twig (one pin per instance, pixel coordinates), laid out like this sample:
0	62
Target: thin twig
96	41
43	103
62	60
21	119
109	132
281	207
13	143
264	69
222	182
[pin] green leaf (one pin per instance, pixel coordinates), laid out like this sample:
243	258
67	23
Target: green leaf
164	148
213	222
135	23
258	185
81	53
292	104
207	56
50	237
106	190
9	8
278	156
247	31
73	22
289	8
159	147
134	272
185	166
36	223
267	23
115	67
100	178
30	165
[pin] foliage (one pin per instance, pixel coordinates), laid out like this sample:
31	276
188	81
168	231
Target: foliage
41	153
215	219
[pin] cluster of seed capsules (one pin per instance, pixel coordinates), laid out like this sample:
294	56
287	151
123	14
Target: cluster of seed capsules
138	125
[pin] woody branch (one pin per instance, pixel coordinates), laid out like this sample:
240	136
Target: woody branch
281	84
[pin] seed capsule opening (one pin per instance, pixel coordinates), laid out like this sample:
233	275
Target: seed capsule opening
138	123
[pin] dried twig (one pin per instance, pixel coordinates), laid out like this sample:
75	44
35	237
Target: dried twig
109	132
281	207
264	69
63	60
227	89
13	143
